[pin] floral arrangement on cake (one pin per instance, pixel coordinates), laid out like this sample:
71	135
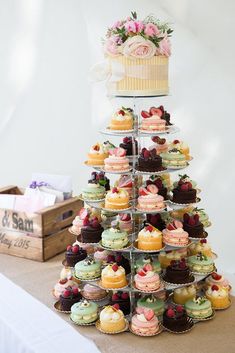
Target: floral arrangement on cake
138	39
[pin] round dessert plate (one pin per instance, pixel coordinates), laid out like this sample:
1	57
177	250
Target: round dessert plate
72	231
119	249
204	318
115	289
147	251
185	205
139	210
118	172
224	307
81	324
177	246
174	285
90	200
162	287
93	165
170	129
187	328
147	335
140	172
108	131
171	167
123	210
96	300
97	324
65	264
57	307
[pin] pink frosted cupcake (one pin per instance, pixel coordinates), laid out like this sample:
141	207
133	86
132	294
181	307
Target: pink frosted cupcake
117	160
149	200
145	323
218	280
62	285
151	121
174	234
146	279
161	144
125	222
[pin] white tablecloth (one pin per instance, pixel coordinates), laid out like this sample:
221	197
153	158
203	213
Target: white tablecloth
28	326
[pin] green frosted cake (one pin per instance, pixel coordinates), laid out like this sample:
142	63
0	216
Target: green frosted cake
84	312
114	238
173	158
143	260
198	308
93	192
150	302
200	263
88	269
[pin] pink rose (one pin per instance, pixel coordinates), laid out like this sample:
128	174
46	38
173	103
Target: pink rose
117	24
111	47
134	26
151	30
139	48
164	47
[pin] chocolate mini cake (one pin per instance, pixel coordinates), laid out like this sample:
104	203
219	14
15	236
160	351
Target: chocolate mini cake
178	272
165	115
120	260
69	297
123	299
149	161
162	190
184	193
127	144
175	318
74	254
156	221
193	226
91	231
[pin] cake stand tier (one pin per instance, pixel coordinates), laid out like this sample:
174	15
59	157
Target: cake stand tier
172	129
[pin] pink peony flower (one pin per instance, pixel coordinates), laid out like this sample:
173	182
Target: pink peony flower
117	24
111	47
151	30
164	47
138	47
134	26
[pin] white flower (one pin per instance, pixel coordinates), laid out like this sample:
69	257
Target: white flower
139	48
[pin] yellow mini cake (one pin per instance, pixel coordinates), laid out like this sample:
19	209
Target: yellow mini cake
218	296
112	319
123	119
97	155
183	294
113	276
117	199
149	238
200	246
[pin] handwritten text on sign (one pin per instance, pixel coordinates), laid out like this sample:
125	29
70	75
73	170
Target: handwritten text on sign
14	221
18	242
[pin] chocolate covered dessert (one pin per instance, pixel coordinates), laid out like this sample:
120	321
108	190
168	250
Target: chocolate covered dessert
74	254
193	226
184	193
149	161
123	299
69	297
127	144
175	318
178	272
156	221
91	231
120	260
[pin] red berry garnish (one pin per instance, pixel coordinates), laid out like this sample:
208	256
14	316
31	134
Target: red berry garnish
203	241
121	112
66	293
145	114
176	141
148	267
118	258
116	306
95	224
196	218
141	273
115	297
146	154
124	296
149	314
186	217
184	187
115	267
170	313
191	221
149	228
75	249
179	308
83	213
63	281
110	258
126	140
86	222
96	147
215	287
75	290
114	190
152	188
170	226
69	247
143	191
216	276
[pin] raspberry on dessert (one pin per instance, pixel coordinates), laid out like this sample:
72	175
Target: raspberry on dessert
124	296
121	112
115	267
111	258
115	297
116	306
203	241
69	247
66	293
75	249
170	313
215	287
176	141
179	308
75	290
63	281
149	228
114	190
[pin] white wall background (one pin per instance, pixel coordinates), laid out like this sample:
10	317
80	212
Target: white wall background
50	114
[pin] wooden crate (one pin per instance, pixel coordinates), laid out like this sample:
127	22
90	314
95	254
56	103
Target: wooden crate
34	248
42	223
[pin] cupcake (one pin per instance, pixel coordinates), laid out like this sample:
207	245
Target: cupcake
149	238
174	234
145	324
201	264
93	292
200	246
193	226
218	280
146	279
151	120
173	158
69	296
123	119
117	199
84	312
149	199
113	276
218	297
149	161
183	294
62	285
123	300
183	191
152	303
112	319
143	260
198	308
175	318
117	161
113	238
74	254
88	269
203	216
160	144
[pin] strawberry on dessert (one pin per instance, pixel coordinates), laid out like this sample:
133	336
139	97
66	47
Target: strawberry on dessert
174	234
149	161
160	144
145	323
122	119
193	226
149	199
117	160
125	222
146	279
160	184
183	192
152	121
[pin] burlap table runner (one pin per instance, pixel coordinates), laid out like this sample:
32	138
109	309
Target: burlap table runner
38	279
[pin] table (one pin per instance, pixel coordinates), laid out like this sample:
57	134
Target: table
38	279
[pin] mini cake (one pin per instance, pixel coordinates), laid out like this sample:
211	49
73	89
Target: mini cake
113	276
156	220
181	146
160	184
218	296
143	260
149	200
112	319
149	161
150	302
160	144
74	254
146	279
88	269
123	119
175	318
193	226
69	296
114	238
101	179
145	324
178	272
174	234
149	238
151	120
123	300
101	255
183	294
93	292
165	258
200	246
200	263
62	285
173	158
120	260
97	155
183	192
93	191
91	230
84	312
127	144
199	308
125	222
203	216
219	280
117	161
117	199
